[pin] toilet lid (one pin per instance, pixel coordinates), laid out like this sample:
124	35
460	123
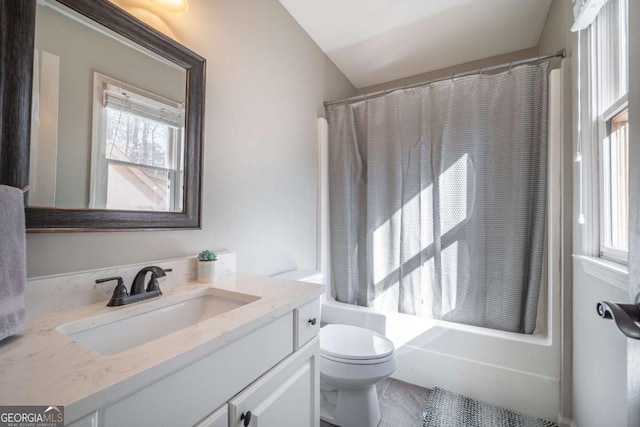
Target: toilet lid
353	343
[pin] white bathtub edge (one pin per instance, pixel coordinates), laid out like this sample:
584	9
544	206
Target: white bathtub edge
492	384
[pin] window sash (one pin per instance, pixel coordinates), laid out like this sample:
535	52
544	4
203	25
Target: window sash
611	54
139	165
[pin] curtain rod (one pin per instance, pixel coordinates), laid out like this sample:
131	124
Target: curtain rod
560	53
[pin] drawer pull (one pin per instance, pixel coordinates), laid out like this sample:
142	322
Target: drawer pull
313	321
246	418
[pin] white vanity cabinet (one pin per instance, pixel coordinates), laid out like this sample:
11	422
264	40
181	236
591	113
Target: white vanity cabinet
272	372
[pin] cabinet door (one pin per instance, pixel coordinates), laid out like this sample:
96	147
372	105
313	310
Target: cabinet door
219	418
288	395
90	420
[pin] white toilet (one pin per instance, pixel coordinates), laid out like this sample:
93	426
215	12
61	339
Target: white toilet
353	360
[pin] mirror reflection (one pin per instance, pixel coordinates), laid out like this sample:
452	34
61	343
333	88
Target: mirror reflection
108	121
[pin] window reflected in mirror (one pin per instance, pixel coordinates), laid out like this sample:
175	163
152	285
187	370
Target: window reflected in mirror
137	149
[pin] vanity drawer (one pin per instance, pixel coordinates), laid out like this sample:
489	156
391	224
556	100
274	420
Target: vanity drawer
307	321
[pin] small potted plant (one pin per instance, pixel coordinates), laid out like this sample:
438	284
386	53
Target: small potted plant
207	266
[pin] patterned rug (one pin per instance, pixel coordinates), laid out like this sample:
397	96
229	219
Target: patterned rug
447	409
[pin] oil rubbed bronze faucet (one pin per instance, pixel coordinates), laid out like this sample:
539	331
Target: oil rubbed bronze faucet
138	290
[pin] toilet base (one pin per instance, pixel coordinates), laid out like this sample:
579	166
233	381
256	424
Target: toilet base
352	407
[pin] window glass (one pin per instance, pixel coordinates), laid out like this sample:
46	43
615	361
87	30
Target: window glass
136	139
616	182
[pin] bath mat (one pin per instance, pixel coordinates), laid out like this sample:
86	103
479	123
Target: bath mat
447	409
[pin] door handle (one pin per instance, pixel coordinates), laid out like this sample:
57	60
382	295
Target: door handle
624	315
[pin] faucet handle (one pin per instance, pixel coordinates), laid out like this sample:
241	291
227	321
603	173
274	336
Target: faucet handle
119	292
153	284
119	279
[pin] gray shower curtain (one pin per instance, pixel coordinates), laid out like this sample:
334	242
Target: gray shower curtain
438	199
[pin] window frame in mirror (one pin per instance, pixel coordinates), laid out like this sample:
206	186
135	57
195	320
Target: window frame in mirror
103	12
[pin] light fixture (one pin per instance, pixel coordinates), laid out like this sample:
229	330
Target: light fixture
172	6
152	19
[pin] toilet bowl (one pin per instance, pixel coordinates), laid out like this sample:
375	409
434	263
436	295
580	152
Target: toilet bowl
352	361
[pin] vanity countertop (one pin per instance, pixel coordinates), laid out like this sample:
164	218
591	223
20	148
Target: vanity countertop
45	367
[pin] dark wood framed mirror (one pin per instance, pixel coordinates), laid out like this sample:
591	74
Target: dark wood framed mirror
17	73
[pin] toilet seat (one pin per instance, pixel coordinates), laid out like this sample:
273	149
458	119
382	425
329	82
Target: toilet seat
354	345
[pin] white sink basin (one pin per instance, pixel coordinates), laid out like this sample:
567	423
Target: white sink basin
129	327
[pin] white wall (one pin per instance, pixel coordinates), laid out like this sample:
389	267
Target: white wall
266	81
599	355
633	346
594	354
449	71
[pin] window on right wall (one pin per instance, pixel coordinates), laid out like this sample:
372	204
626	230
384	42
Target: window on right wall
609	106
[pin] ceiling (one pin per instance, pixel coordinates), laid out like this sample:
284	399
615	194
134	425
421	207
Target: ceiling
376	41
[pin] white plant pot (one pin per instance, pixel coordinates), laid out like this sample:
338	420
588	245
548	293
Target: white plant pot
206	271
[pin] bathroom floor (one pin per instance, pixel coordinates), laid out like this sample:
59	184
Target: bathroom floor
401	404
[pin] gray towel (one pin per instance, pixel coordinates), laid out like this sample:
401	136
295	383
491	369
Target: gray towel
13	261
